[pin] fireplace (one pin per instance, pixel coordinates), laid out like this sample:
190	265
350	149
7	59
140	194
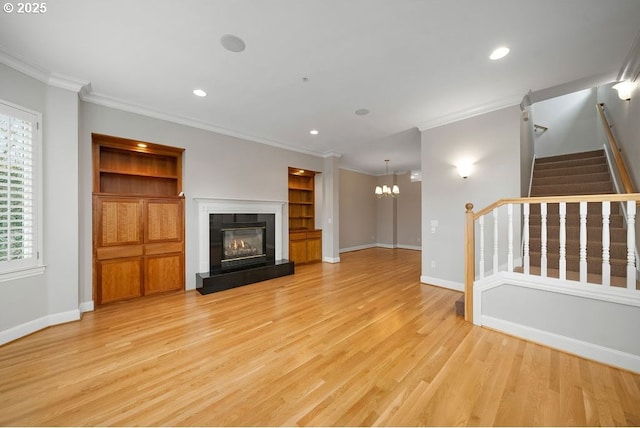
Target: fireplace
241	241
214	215
243	244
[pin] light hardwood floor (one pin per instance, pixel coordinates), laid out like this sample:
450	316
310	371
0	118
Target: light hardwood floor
361	342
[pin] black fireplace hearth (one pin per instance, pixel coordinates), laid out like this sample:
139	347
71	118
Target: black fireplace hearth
241	252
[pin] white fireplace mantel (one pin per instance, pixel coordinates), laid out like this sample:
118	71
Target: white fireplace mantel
208	206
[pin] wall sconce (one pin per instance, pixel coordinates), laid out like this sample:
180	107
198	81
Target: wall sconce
624	89
464	169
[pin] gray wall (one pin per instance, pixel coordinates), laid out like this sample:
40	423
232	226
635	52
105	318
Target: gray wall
572	122
386	215
492	142
527	152
357	210
624	116
408	213
599	322
32	301
366	221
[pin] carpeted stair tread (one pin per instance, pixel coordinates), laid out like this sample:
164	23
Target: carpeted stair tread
576	174
571	156
570	179
570	163
576	170
572	189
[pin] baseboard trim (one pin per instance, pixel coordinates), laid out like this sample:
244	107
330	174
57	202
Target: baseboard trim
409	247
331	259
30	327
86	307
389	246
357	248
444	283
583	349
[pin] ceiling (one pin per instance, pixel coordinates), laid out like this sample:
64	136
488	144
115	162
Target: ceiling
412	63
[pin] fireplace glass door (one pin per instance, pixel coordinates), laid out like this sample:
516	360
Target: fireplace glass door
243	245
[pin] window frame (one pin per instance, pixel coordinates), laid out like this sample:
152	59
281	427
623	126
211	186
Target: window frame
11	270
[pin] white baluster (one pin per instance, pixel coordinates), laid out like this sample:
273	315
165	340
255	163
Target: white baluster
510	238
563	240
481	224
631	243
583	242
543	239
525	238
606	241
495	241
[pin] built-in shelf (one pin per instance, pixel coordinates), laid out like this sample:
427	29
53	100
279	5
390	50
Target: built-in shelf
305	242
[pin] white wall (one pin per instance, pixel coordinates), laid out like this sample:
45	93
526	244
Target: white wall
215	166
492	142
29	304
572	122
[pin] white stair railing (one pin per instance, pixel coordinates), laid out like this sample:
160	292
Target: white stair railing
505	230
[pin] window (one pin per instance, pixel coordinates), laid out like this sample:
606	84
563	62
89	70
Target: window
20	236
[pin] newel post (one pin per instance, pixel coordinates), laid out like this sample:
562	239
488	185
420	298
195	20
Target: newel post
469	262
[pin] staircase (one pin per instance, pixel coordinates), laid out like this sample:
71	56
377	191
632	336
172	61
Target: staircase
576	174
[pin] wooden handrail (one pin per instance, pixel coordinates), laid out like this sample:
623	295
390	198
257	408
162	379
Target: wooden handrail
627	184
613	197
469	262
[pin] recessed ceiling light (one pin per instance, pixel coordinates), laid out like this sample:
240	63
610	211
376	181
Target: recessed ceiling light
501	52
313	132
199	92
232	43
362	112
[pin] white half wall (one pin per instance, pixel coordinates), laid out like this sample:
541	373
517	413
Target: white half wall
581	319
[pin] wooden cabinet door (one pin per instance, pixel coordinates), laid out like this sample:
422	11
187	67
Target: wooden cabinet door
118	221
314	250
164	220
119	279
298	251
163	273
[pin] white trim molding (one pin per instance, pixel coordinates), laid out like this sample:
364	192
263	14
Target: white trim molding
581	348
470	112
444	283
593	351
331	259
206	206
30	327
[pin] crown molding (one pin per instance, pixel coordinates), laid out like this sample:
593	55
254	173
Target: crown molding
471	112
41	74
332	155
83	88
66	82
119	104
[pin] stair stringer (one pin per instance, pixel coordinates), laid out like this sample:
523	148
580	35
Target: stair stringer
588	320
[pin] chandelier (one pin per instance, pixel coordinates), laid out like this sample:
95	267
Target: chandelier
386	191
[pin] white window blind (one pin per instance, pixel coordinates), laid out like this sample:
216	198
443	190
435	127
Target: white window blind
19	145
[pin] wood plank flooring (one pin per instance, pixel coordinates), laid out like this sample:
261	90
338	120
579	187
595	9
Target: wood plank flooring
357	343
